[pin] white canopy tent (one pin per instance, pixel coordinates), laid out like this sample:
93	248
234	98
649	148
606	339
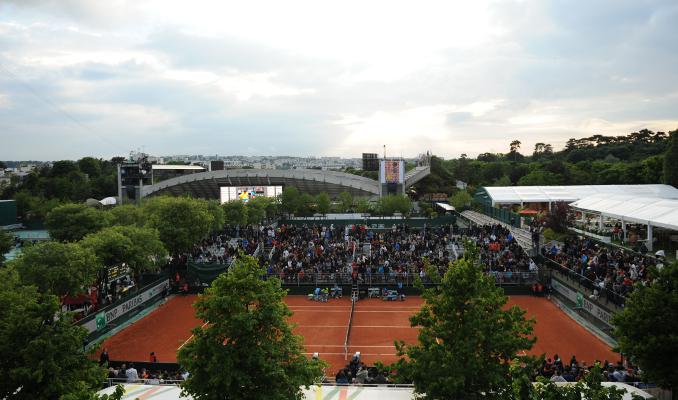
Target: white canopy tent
445	206
651	211
552	194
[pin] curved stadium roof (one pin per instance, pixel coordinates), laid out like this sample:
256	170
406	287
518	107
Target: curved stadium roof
313	181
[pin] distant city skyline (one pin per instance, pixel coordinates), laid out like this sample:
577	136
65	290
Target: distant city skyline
87	78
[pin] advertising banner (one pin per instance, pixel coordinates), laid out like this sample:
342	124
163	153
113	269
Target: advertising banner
582	302
108	315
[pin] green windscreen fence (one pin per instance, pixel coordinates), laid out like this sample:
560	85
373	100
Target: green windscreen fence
205	273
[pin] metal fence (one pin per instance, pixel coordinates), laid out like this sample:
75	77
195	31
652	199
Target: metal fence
151	381
394	278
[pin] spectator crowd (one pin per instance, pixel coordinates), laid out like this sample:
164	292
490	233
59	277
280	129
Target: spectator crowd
611	270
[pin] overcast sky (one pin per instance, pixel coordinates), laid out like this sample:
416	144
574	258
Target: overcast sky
85	77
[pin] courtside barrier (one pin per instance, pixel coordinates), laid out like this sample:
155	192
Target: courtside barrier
104	319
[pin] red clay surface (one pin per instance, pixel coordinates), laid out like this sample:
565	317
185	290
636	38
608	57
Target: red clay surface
376	324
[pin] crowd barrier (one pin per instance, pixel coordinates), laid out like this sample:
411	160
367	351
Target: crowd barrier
392	278
102	320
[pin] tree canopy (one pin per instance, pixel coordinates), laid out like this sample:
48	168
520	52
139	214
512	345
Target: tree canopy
126	214
461	200
635	158
139	248
71	222
246	349
671	161
57	268
180	221
646	327
466	337
68	181
40	347
6	244
324	202
387	205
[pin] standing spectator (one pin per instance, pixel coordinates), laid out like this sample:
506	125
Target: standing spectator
103	358
121	372
152	358
132	374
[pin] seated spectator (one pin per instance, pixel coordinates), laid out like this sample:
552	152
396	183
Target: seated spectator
342	377
131	374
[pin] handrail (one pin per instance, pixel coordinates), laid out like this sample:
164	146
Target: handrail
150	381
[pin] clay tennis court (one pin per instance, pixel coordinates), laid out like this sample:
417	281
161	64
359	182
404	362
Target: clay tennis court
376	324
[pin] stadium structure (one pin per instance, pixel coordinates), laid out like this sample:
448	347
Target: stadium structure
209	184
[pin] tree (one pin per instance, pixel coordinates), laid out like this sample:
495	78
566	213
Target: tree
646	327
246	348
290	200
503	181
218	215
671	161
6	244
235	212
181	221
90	166
323	201
387	205
256	213
540	177
461	200
513	154
345	201
63	168
402	204
560	218
126	215
40	347
363	206
466	337
71	222
57	268
138	248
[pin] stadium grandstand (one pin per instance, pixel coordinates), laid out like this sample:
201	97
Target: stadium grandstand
209	184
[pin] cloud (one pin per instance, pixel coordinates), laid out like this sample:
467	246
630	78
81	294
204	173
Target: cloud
91	78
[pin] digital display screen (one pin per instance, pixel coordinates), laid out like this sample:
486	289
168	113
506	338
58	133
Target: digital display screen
392	171
247	193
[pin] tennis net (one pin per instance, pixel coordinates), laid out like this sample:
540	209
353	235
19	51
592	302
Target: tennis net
348	330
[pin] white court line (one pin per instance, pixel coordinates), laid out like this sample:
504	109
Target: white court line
321	326
189	339
355	326
321	307
363	354
381	311
341	345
